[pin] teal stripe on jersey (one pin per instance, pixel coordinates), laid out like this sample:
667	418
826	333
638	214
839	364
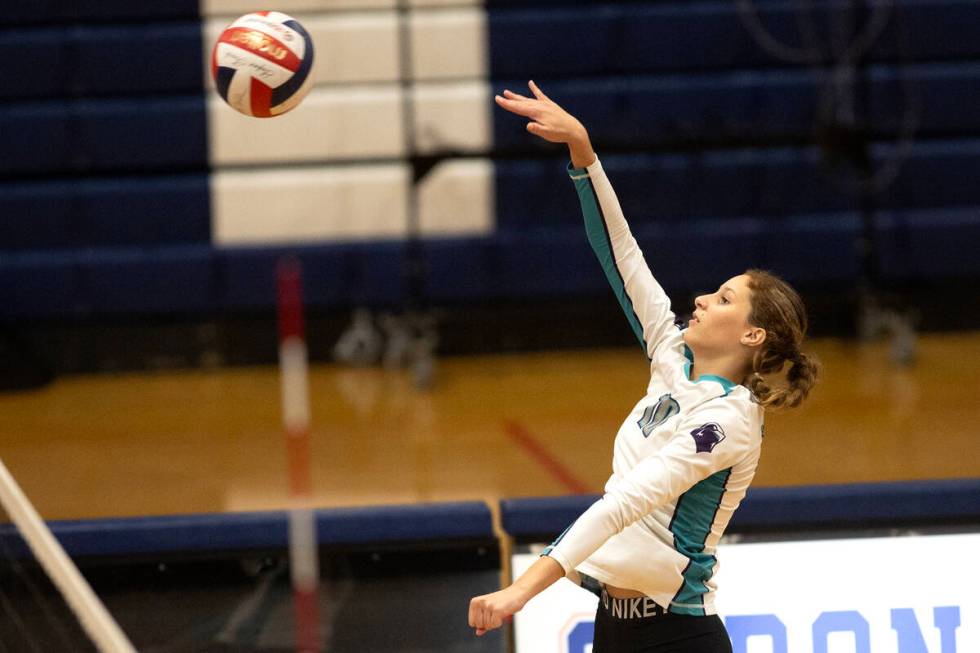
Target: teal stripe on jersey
595	229
551	546
691	525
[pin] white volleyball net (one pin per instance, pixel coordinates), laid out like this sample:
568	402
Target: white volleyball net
45	603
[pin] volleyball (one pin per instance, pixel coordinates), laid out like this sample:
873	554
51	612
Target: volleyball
262	64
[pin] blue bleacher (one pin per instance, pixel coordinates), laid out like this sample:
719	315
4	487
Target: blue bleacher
112	212
72	11
656	111
101	60
157	134
538	38
335	275
926	244
104	183
134	281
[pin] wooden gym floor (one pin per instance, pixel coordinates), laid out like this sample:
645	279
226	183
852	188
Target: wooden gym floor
493	426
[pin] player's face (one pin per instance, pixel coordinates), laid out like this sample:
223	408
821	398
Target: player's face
720	320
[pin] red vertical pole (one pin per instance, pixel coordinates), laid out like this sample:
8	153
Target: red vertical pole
303	553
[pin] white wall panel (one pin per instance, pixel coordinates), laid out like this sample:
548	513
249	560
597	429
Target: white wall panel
457	199
238	7
330	124
349	47
307	205
453	116
449	43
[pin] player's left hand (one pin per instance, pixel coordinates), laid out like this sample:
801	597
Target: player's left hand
493	610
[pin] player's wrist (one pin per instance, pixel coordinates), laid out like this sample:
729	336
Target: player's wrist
580	149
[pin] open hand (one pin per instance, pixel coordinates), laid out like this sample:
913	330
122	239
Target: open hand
548	120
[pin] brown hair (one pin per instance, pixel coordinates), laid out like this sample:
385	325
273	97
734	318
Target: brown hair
777	308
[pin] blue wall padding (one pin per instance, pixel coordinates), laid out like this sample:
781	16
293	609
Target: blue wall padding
632	37
938	99
646	111
334	275
542	516
660	110
410	523
26	12
81	213
34	50
39	285
461	269
158	280
101	60
872	504
932	174
246	276
776	183
244	531
787	508
673	187
928	244
160	134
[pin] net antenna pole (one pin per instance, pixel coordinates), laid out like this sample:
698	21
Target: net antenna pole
303	553
90	611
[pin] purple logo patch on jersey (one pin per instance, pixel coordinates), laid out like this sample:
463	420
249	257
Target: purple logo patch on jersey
707	436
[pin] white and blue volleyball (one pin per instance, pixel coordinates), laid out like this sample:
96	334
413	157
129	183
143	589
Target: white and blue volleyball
262	64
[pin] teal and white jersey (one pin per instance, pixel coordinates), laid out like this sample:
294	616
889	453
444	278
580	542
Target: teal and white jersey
685	455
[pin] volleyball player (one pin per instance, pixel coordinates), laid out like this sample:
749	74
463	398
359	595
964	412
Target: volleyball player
685	455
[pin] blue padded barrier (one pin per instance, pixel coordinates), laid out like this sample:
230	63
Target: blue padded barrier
534	517
758	182
246	276
462	269
737	106
773	182
258	531
938	98
334	275
786	508
158	280
859	504
934	174
646	111
152	134
927	244
35	216
39	285
615	38
86	61
34	50
121	212
73	11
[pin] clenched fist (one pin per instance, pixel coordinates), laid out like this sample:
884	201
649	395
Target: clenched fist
493	610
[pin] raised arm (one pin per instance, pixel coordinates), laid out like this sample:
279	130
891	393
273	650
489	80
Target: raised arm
646	305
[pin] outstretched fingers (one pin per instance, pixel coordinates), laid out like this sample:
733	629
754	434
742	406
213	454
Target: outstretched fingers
538	93
523	107
514	96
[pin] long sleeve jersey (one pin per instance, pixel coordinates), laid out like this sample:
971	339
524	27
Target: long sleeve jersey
683	458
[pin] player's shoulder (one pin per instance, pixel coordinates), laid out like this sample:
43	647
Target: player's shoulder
672	350
737	413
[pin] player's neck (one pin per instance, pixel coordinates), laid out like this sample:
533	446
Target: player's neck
727	367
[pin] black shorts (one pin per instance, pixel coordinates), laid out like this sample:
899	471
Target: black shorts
641	626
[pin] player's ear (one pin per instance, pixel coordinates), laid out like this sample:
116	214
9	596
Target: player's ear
753	336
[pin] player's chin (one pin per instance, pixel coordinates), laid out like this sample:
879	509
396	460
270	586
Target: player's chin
688	336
